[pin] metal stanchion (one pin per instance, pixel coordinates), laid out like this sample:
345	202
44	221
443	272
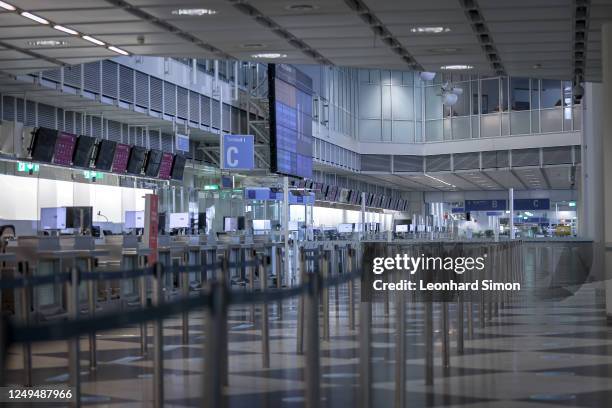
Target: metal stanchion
158	340
460	310
74	360
214	348
25	307
91	299
311	308
351	289
184	282
324	262
400	351
365	351
445	337
265	329
300	310
279	280
222	333
250	256
143	327
429	357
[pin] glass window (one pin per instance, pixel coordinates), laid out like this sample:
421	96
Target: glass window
551	93
535	94
474	92
433	103
504	94
519	98
489	97
462	107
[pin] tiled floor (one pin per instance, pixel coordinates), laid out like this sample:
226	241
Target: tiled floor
534	355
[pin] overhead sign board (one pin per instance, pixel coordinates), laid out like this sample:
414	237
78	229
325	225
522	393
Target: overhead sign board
485	205
237	152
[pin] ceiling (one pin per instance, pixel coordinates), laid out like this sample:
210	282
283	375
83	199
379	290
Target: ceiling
520	178
527	37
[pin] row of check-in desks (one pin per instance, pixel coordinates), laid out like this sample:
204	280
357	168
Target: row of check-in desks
37	256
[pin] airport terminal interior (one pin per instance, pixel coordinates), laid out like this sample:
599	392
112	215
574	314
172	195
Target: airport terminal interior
317	203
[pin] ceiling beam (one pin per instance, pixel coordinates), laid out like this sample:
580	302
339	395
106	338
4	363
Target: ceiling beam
166	26
248	9
483	34
519	179
545	178
380	30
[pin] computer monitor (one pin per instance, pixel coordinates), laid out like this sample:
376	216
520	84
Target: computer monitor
241	223
134	219
230	224
344	228
178	220
79	217
53	218
262	225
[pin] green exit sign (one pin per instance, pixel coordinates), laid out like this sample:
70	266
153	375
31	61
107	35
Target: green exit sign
88	174
211	187
25	167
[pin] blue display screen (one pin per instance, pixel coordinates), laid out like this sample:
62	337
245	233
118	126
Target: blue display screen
290	121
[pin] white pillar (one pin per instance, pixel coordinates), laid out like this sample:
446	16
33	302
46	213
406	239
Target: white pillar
511	208
606	115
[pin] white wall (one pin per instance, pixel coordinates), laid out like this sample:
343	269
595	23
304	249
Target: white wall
23	197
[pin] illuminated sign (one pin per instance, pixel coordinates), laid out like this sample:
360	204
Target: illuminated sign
24	167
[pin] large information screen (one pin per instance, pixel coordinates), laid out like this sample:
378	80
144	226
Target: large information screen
290	121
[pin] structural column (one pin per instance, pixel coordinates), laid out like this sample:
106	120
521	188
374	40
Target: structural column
606	151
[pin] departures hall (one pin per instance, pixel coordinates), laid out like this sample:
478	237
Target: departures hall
306	203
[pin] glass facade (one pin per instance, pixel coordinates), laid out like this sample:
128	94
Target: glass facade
399	107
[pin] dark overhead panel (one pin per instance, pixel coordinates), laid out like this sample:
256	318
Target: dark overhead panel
483	34
581	30
164	25
383	32
267	22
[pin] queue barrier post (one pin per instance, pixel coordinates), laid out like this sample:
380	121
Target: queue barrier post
300	311
74	360
265	329
214	347
158	339
351	289
25	306
312	368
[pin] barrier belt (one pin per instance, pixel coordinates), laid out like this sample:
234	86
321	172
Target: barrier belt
21	282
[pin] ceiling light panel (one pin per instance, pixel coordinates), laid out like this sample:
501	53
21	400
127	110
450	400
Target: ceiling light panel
34	17
7	6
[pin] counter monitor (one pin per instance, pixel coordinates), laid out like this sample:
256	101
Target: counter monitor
53	218
178	220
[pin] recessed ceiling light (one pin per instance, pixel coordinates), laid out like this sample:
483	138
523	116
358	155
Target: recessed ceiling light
7	6
253	45
301	7
93	40
34	17
194	12
118	50
47	43
65	29
456	67
430	30
269	55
